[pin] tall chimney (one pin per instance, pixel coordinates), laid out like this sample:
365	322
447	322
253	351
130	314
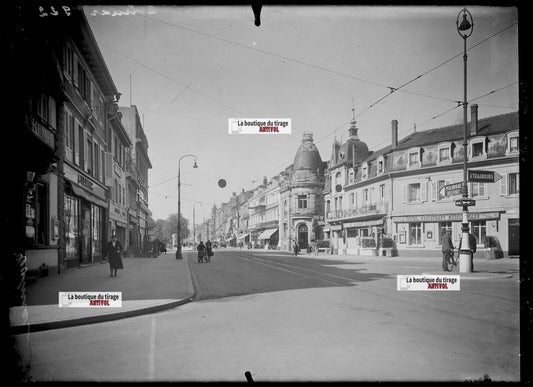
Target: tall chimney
265	181
394	134
473	120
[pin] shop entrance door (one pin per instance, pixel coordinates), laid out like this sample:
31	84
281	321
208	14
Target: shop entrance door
302	236
514	236
86	256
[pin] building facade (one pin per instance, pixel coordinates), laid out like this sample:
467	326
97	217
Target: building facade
301	197
399	190
137	178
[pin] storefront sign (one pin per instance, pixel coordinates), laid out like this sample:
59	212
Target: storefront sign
42	132
82	180
445	217
118	213
367	223
336	227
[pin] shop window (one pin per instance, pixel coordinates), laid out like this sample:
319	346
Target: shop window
97	231
37	215
72	216
415	233
443	227
478	228
351	233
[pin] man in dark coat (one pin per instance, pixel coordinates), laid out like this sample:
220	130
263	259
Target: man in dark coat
114	255
209	250
447	247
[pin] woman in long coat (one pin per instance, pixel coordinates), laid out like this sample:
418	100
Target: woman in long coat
114	255
201	251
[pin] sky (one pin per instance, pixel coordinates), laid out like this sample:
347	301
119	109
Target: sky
189	69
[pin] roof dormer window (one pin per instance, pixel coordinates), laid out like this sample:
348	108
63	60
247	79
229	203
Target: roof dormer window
381	165
364	171
413	158
477	148
512	143
445	153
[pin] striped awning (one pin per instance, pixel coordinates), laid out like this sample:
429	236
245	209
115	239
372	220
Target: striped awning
268	233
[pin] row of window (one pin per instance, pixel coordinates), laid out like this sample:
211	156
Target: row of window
478	228
78	75
418	192
445	154
82	149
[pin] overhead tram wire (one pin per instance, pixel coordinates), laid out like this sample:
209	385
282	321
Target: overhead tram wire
392	89
172	79
453	108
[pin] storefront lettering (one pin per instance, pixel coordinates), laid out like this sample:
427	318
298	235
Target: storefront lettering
445	217
42	132
85	182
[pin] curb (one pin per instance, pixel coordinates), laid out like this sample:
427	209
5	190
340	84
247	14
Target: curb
44	326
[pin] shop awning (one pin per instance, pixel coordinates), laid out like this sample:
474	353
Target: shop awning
267	233
242	236
78	191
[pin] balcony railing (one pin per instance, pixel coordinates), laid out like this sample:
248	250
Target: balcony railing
371	209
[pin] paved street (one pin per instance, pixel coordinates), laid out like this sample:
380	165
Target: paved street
301	318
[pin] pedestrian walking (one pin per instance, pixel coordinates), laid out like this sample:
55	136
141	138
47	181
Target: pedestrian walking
114	256
447	247
209	249
296	248
201	251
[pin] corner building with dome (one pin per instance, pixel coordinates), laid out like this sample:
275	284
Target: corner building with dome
302	197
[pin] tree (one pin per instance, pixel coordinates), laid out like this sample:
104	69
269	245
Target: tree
171	227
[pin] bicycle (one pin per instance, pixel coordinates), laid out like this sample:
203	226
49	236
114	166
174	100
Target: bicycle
450	260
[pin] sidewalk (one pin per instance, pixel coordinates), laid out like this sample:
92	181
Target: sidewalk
148	285
484	268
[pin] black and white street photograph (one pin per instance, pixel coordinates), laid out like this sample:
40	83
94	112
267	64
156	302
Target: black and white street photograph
264	192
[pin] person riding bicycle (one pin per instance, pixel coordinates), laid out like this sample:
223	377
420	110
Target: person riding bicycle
447	247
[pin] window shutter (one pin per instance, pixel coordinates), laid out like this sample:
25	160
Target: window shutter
75	69
503	184
424	193
434	188
108	169
404	193
76	144
52	112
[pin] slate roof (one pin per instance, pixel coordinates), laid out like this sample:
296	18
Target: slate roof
502	123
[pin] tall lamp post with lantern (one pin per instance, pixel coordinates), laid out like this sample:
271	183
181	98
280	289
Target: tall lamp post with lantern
178	251
465	27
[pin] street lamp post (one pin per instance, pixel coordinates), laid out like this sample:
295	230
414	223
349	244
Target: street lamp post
465	27
178	251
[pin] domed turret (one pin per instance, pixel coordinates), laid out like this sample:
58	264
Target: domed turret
307	157
353	151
